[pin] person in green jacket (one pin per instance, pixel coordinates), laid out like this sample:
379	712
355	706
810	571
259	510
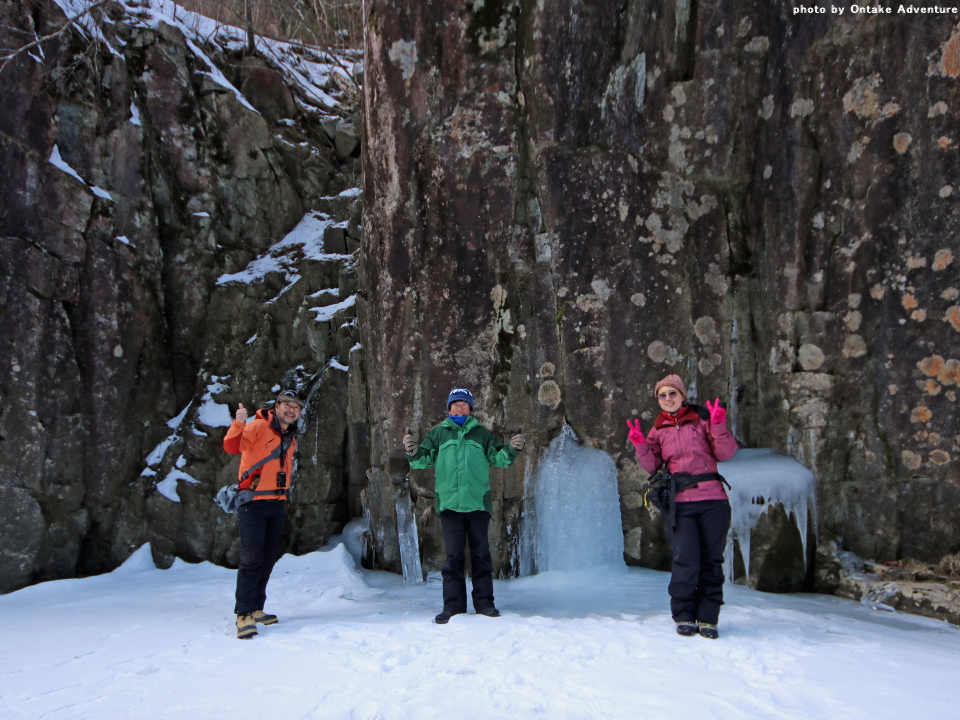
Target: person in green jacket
463	450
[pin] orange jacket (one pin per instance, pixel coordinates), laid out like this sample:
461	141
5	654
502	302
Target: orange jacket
255	441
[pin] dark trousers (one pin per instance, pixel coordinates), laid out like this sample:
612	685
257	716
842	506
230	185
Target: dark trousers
459	528
261	524
698	541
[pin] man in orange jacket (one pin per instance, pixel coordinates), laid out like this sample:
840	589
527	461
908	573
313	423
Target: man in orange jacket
266	445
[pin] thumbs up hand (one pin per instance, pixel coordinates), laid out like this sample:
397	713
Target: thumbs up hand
409	444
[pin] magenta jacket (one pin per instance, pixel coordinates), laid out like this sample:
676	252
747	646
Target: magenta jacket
690	444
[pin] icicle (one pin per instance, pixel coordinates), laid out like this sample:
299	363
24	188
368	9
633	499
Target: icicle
407	534
527	547
761	479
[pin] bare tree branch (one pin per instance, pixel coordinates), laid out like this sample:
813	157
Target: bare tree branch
4	60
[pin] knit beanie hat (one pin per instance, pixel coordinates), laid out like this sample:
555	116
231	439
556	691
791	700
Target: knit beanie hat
673	381
458	394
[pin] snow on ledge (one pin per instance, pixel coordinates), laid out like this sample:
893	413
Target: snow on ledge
304	242
210	412
168	486
59	162
326	313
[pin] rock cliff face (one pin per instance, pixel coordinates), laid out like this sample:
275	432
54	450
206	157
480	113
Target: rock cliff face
565	201
147	285
568	200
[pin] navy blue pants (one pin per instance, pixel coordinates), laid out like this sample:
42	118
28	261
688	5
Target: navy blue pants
459	528
698	541
261	525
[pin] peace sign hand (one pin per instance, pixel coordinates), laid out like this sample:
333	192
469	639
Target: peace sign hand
718	415
636	434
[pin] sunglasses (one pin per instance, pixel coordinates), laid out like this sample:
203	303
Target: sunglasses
664	396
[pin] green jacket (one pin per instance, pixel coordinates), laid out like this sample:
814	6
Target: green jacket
463	456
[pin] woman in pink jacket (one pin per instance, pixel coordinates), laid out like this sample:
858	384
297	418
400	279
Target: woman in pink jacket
689	441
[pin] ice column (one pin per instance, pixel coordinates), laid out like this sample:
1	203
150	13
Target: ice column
407	534
572	514
760	479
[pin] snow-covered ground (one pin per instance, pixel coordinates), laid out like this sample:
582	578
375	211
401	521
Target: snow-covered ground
142	642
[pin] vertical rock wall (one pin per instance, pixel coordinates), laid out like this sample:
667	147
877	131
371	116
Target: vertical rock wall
568	200
134	176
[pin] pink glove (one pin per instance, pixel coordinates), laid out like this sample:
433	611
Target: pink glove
718	416
636	434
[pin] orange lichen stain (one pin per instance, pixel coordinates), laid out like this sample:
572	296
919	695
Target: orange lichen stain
943	258
952	316
919	315
901	141
951	56
949	374
877	291
921	413
930	366
944	142
908	301
940	457
950	293
932	387
915	261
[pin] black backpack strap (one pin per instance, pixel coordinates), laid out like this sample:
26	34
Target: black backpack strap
700	410
278	491
277	452
664	487
686	481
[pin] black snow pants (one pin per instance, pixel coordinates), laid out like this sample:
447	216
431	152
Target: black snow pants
459	528
261	525
698	540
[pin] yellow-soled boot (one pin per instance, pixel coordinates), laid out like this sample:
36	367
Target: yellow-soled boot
246	626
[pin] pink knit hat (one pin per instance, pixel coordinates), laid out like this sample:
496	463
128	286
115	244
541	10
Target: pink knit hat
673	381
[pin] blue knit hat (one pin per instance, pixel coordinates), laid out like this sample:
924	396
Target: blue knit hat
458	394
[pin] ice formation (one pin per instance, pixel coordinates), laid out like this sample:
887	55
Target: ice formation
356	538
407	534
572	515
760	479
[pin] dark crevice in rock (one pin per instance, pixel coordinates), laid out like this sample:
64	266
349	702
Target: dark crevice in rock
686	20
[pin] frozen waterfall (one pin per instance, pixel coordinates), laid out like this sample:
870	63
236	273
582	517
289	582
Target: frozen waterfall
760	479
572	513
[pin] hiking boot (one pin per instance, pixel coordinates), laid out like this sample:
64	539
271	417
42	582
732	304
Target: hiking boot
444	617
490	611
709	631
246	626
686	628
264	618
